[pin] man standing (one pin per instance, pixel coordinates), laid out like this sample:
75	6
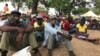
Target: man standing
17	35
54	34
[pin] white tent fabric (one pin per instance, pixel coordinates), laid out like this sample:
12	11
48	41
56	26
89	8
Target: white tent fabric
90	13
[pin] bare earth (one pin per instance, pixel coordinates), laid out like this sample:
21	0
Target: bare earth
81	48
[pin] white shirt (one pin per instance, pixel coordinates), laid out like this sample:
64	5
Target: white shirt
50	30
2	22
87	23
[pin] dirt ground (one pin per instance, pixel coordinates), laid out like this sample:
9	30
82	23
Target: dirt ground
81	48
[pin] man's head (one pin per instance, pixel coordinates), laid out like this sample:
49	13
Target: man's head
39	20
82	22
15	15
59	20
53	20
6	4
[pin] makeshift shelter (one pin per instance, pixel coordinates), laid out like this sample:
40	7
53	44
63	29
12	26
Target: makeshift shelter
89	14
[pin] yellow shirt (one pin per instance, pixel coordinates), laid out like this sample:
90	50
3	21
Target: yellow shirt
36	24
81	28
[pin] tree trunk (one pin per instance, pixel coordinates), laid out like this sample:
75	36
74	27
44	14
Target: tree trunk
18	7
34	6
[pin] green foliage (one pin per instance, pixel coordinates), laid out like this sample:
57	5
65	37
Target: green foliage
41	8
18	3
97	3
81	10
29	3
96	10
60	4
1	0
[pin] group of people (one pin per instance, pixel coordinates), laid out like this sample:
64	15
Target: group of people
20	30
50	33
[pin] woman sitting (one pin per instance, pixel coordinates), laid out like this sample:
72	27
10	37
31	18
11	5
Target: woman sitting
81	32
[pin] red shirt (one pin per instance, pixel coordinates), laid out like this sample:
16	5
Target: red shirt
32	21
66	25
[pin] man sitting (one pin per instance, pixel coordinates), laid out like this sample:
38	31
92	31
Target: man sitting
54	35
17	35
39	29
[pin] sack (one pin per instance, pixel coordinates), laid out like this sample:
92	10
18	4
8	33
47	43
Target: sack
24	52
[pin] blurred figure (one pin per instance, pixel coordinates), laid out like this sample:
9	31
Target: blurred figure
32	19
54	35
3	20
65	24
82	32
6	9
94	24
39	29
17	35
68	25
24	19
